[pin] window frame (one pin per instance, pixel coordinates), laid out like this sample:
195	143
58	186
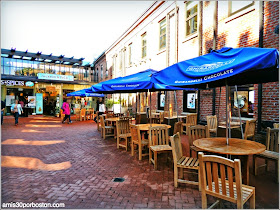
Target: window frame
161	35
190	17
144	37
230	13
130	54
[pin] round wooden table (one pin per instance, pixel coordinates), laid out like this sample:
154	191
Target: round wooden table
112	119
239	147
146	127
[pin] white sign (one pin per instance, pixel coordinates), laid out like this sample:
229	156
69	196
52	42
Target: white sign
12	83
191	101
55	77
31	101
10	99
162	100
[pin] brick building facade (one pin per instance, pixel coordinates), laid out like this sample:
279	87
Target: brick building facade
170	32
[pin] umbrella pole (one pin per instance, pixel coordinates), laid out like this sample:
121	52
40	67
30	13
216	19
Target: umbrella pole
227	119
239	115
150	113
136	103
113	102
120	103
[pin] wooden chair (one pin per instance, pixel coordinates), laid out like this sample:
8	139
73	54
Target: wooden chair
83	114
138	118
275	125
250	129
123	132
182	162
178	127
197	132
154	120
174	114
118	115
105	128
129	118
158	142
271	153
212	124
161	117
77	113
217	176
137	140
166	114
191	120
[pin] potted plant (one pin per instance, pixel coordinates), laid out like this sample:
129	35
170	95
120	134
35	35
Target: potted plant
109	103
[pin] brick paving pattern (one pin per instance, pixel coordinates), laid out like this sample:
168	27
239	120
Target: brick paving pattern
46	161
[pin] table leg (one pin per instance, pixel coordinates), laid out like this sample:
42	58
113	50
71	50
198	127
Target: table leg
245	169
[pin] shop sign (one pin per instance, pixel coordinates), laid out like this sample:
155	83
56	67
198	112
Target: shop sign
39	103
50	89
55	77
29	84
31	101
12	83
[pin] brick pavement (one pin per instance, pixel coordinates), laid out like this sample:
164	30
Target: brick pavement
46	161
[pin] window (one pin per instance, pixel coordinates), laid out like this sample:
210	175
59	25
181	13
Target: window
191	17
237	6
190	101
130	54
161	100
162	34
144	45
101	72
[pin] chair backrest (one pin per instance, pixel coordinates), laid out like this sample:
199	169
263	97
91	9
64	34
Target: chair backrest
217	175
122	127
272	139
175	114
178	127
138	118
161	117
110	115
166	113
77	110
135	133
191	119
126	118
158	135
102	121
109	112
212	122
176	147
250	129
117	115
275	125
197	132
83	112
154	120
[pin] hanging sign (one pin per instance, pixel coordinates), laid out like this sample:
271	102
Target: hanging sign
191	101
55	77
39	103
31	101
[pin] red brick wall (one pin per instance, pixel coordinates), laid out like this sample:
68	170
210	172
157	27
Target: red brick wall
205	104
270	102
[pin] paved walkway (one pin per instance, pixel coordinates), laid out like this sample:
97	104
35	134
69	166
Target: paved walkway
46	161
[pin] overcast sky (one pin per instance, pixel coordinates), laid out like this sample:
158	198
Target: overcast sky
70	28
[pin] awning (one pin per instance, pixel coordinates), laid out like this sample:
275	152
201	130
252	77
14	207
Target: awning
85	93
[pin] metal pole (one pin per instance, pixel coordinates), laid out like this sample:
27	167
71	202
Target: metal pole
136	102
150	113
113	103
239	115
227	113
120	103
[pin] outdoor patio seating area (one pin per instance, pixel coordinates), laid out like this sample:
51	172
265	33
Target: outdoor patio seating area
77	167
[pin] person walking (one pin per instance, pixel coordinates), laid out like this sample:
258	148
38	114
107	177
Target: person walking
66	110
3	106
17	110
100	108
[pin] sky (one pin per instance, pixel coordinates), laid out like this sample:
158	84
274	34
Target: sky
70	28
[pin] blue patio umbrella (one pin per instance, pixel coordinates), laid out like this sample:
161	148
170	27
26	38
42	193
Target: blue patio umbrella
85	93
231	66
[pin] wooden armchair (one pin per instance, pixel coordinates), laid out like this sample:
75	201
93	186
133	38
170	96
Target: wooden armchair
217	176
158	142
182	162
123	132
137	140
271	153
105	130
212	124
197	132
129	118
83	114
250	129
191	120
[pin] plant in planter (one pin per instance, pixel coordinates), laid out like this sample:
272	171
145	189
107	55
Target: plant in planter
57	111
109	103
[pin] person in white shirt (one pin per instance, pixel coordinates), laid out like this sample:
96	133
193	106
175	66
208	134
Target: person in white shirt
17	110
101	108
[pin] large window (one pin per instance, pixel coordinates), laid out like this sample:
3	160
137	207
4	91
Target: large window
237	6
161	100
191	17
190	101
101	72
144	45
162	34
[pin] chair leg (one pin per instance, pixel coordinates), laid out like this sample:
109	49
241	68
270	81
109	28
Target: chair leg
252	201
175	176
132	148
140	151
240	204
150	155
204	200
255	167
155	160
126	144
118	142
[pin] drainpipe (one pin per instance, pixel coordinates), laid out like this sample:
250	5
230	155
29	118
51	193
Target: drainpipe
200	28
215	29
261	22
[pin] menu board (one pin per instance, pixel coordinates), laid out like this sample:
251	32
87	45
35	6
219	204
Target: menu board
31	101
39	103
191	101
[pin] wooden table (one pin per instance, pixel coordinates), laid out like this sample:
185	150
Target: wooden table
113	120
239	147
146	127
